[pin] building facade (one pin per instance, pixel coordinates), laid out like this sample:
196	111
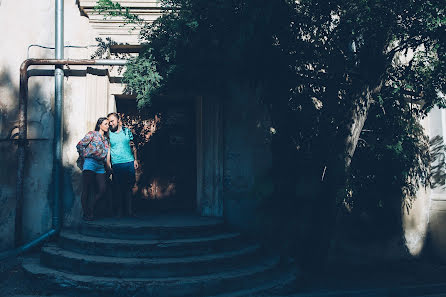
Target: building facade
224	167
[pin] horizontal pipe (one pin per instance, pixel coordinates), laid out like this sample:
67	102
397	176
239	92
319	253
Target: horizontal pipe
111	62
23	141
104	62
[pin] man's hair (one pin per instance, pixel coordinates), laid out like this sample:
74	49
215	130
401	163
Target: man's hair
114	114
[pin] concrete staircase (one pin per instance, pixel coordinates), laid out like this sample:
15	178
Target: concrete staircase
157	256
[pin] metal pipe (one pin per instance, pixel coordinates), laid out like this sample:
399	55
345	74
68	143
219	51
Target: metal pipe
59	29
28	246
22	143
109	62
58	114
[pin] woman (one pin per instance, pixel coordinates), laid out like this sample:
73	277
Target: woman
94	148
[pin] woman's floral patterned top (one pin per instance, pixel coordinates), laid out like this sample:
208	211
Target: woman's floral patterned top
94	145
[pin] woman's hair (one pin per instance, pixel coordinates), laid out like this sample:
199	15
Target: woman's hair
98	124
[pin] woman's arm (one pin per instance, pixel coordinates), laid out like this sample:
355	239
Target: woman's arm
82	144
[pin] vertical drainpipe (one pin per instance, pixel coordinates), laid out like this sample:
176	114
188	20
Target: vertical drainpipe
58	114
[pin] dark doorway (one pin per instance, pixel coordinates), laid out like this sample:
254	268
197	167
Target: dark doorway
165	137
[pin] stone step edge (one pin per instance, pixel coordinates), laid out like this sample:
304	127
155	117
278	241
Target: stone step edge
57	251
150	221
151	232
32	266
155	227
73	235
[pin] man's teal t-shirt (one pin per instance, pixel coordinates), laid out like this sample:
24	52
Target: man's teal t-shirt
120	150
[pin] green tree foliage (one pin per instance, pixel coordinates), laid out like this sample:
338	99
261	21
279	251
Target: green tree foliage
113	9
141	79
325	69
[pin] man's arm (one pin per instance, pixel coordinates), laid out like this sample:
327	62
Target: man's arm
109	161
135	155
132	147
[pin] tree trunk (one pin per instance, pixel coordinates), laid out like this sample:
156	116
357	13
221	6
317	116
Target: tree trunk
332	182
358	116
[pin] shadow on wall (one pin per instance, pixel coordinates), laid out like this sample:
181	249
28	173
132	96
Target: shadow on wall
438	169
72	176
8	115
8	108
37	209
37	170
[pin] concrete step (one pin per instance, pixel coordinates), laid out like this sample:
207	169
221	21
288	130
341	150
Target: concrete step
149	248
154	227
58	258
242	278
165	255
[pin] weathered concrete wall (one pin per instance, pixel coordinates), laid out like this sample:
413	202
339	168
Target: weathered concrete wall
411	243
247	155
32	22
416	219
416	223
437	221
7	195
210	160
16	36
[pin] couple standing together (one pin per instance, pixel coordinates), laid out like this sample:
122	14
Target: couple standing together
109	148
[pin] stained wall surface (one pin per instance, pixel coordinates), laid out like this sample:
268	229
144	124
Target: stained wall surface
25	24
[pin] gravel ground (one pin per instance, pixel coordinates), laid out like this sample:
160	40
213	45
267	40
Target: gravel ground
13	281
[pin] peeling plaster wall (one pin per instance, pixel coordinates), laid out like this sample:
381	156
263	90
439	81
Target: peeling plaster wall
32	22
16	36
7	195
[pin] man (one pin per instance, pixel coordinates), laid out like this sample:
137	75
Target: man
124	163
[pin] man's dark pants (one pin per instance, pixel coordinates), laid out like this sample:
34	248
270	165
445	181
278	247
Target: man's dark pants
123	181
